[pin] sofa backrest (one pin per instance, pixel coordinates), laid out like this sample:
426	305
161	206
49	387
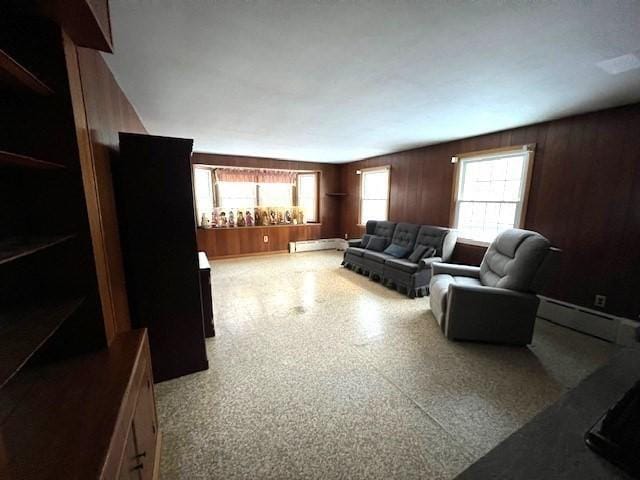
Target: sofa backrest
440	238
371	227
513	259
384	229
405	235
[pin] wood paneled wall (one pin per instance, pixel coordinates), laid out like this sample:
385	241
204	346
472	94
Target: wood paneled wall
585	197
102	110
249	240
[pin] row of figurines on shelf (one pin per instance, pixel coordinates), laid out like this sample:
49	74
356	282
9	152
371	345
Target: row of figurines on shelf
261	216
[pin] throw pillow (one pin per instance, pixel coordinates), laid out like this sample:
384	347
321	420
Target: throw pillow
417	254
365	240
376	243
420	252
396	251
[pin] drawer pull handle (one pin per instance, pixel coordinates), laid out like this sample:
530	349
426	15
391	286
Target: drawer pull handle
140	455
140	466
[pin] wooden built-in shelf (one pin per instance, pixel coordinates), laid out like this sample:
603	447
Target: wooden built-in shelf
8	159
24	331
15	248
15	76
336	194
58	420
285	225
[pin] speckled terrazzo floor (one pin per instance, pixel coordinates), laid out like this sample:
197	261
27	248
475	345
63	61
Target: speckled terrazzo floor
317	372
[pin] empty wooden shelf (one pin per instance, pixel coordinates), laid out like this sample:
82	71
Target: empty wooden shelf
23	331
16	77
8	159
15	248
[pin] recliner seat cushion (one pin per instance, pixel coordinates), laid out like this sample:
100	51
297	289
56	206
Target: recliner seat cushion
402	264
513	258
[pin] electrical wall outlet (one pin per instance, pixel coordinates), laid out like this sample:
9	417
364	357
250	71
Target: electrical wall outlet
600	301
265	239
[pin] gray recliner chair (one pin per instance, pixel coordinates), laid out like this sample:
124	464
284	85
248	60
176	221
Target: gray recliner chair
494	302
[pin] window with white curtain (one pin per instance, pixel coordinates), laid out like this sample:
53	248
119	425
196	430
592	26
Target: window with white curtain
374	194
275	195
308	195
490	194
203	186
236	194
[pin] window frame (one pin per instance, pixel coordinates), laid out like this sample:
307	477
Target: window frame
483	155
361	199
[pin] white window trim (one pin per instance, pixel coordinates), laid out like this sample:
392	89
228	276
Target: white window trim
316	176
360	200
521	209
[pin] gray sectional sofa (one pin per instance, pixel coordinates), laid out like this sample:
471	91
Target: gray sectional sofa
411	276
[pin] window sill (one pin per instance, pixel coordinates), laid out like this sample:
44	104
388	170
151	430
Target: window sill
290	225
475	243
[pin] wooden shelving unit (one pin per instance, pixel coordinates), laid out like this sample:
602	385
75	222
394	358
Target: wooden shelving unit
15	248
8	159
24	331
16	77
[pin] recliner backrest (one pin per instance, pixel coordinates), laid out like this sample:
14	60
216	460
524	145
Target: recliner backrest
513	259
384	229
371	227
440	238
405	235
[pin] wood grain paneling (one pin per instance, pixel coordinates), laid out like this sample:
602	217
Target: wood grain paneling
246	241
584	195
233	242
102	110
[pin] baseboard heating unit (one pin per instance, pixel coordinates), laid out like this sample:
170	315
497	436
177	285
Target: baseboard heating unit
321	244
609	327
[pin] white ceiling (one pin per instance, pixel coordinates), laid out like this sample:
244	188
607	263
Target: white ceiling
334	81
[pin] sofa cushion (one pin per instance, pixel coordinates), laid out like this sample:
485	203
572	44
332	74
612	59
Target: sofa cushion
440	238
358	251
377	243
402	264
405	234
379	257
396	251
365	240
385	229
420	252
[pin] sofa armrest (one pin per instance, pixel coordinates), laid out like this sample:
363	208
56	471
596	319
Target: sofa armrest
490	314
428	262
355	242
456	270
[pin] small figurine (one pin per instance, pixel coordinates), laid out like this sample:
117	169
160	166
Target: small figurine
280	217
232	222
295	221
272	216
223	219
216	219
301	217
248	218
287	217
265	218
204	221
240	219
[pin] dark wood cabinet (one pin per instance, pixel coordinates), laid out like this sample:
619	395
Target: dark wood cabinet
154	197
